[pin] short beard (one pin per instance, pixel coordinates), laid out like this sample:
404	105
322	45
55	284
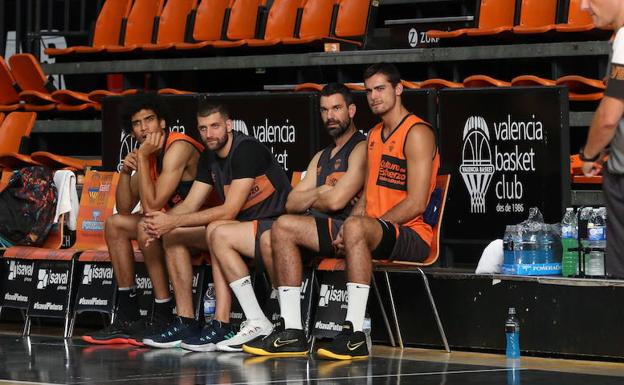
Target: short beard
340	130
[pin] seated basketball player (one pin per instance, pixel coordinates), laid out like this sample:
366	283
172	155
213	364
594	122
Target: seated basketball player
386	223
164	167
253	188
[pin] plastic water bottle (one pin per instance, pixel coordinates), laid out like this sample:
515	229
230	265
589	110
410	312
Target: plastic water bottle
209	303
546	246
508	246
512	332
569	240
366	328
518	246
531	251
597	239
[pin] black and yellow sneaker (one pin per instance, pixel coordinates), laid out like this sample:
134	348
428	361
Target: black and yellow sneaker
281	342
346	346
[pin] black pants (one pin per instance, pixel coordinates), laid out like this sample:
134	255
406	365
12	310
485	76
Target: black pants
613	188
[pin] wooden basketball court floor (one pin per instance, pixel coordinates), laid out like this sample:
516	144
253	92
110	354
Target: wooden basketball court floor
52	360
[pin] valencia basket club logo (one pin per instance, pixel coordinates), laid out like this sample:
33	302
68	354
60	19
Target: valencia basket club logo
477	168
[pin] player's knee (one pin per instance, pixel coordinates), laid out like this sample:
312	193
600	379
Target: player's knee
282	227
112	225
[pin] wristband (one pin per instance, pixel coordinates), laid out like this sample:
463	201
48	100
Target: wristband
586	159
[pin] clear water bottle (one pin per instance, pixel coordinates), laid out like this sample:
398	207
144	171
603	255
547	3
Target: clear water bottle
209	303
569	240
508	246
518	246
512	333
366	328
531	248
546	245
596	239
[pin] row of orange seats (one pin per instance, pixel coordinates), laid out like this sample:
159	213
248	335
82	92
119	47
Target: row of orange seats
15	129
496	18
125	26
579	88
24	86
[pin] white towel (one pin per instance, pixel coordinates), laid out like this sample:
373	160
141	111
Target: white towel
67	198
492	258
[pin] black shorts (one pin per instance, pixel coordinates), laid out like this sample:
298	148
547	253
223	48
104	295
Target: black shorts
327	229
260	226
400	243
397	243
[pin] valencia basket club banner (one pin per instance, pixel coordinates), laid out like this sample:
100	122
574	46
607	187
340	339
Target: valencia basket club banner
507	150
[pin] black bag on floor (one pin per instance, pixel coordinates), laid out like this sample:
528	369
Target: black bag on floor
27	206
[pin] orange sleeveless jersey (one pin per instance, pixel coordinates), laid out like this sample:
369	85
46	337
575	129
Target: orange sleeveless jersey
387	174
171	138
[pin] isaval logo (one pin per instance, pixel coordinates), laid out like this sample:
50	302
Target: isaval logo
17	269
329	294
92	272
477	168
47	277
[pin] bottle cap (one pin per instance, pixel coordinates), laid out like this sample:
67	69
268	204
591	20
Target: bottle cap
512	310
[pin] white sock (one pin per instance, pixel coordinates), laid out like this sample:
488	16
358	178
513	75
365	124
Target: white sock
358	296
290	306
165	300
247	298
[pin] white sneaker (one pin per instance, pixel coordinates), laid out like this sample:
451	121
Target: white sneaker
250	330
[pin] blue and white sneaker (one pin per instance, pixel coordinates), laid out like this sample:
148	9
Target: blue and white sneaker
173	335
206	340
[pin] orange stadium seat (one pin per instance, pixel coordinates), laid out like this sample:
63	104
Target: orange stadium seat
209	21
19	125
409	84
351	20
280	23
140	26
173	91
97	95
98	194
495	16
582	89
38	90
242	24
107	29
308	87
578	20
536	16
16	127
437	84
315	22
475	81
172	24
531	80
9	96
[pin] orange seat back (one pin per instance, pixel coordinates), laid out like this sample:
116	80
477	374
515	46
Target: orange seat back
172	24
28	73
8	94
316	18
576	16
15	126
282	19
108	24
141	21
537	13
243	19
352	17
96	205
209	19
496	13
